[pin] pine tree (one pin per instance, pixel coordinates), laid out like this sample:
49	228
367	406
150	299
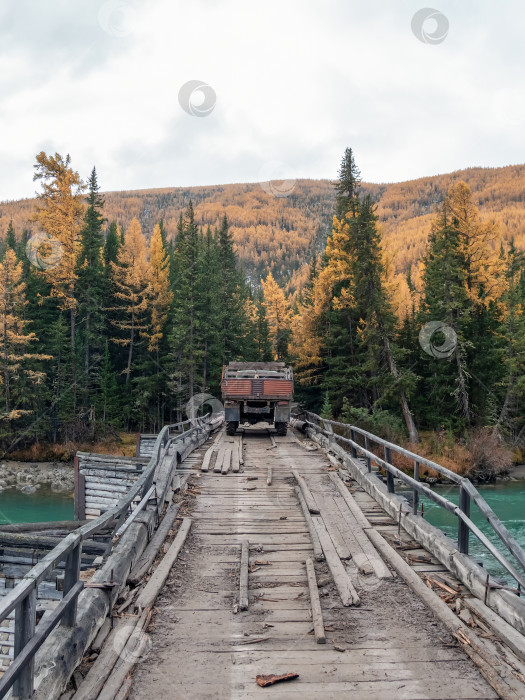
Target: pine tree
326	409
91	286
232	295
60	216
130	276
210	280
347	186
510	418
184	338
262	330
112	246
108	402
10	239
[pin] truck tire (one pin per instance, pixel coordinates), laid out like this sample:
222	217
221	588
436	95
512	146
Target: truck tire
231	427
281	428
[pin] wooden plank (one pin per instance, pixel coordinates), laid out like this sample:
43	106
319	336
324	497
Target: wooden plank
207	457
369	553
241	457
511	637
317	614
235	459
330	515
243	578
318	551
149	593
144	562
492	666
226	462
220	459
206	461
269	476
344	585
352	505
312	506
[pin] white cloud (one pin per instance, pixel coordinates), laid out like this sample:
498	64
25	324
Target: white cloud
296	82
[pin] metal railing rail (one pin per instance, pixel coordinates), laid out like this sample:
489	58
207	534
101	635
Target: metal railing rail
468	491
23	598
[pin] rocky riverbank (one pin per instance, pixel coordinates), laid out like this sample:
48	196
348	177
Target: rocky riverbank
28	477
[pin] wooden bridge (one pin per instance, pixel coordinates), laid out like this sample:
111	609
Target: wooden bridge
259	565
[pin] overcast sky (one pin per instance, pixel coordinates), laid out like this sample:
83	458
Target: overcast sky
291	84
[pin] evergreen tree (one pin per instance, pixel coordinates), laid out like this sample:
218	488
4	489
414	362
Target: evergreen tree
346	186
184	338
10	239
210	311
233	296
108	404
92	288
130	276
262	330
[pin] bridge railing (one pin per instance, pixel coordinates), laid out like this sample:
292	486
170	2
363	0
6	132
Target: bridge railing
23	598
467	490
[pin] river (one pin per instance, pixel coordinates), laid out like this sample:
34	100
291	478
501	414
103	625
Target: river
507	500
42	506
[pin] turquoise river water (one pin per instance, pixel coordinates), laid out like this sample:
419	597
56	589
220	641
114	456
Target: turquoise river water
42	506
507	500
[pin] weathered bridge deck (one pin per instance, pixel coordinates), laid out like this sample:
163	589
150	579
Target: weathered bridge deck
287	569
203	646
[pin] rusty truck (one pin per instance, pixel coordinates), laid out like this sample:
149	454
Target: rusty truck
255	392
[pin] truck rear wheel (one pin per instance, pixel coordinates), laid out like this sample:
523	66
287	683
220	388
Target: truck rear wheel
281	428
231	427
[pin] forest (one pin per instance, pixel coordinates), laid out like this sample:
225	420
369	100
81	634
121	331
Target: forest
114	316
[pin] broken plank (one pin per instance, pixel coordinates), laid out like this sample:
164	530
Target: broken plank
344	585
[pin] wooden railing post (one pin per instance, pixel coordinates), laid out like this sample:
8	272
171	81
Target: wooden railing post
71	577
25	623
463	529
415	492
352	437
367	448
389	476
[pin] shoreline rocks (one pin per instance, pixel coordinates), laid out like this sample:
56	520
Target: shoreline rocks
28	477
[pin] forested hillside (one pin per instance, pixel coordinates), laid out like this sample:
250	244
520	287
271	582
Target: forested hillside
117	309
279	234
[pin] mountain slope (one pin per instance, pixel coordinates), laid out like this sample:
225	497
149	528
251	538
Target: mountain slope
281	233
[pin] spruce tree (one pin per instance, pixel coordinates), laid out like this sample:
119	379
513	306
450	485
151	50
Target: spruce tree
186	349
347	186
92	288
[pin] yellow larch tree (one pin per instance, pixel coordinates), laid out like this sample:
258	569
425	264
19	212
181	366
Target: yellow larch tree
60	216
480	245
278	315
16	378
158	292
130	277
